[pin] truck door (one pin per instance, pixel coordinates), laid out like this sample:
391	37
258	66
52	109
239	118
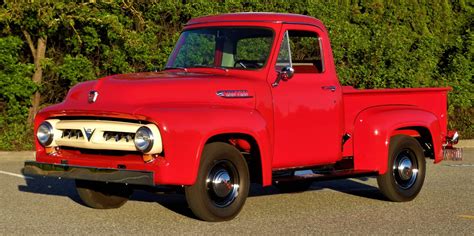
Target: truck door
308	113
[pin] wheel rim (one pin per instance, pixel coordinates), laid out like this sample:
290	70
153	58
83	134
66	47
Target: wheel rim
405	169
222	183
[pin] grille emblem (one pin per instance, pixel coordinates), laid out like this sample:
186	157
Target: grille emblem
93	96
89	133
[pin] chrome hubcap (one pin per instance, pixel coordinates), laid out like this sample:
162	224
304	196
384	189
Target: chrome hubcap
405	169
222	183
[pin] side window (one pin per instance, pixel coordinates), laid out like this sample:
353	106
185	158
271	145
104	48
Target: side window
303	50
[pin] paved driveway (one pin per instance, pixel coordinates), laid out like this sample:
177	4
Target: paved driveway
444	206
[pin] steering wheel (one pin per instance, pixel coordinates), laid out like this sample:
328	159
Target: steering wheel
247	64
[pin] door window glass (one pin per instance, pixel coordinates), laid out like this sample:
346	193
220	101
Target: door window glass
284	56
303	50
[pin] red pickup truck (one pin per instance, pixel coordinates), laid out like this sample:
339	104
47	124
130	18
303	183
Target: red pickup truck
244	98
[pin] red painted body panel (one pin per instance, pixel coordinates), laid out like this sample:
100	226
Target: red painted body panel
186	119
429	100
375	126
259	18
307	118
294	124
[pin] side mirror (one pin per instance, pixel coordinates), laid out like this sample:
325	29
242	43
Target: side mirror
285	74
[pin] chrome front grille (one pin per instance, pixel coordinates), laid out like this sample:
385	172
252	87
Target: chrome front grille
118	136
72	134
100	134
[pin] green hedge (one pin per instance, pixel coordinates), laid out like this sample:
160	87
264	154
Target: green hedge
376	45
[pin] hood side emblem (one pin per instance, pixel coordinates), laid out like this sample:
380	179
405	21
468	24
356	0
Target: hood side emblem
92	96
234	94
89	133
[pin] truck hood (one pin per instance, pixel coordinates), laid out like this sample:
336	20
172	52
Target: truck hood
129	93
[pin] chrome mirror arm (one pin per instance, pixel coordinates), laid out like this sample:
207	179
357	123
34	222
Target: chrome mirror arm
285	74
277	80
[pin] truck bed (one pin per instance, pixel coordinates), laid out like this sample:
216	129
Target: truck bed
433	100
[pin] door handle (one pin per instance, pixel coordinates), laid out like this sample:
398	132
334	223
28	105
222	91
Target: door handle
332	88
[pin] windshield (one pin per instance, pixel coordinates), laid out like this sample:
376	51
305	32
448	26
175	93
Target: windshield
223	47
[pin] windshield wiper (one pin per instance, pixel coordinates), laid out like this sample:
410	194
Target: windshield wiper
178	68
212	67
185	69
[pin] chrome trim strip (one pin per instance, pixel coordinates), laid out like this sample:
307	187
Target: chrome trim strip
222	93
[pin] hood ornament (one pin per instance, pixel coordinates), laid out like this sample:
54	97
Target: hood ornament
92	96
89	132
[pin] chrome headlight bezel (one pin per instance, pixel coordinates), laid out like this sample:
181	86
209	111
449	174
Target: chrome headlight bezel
45	133
144	139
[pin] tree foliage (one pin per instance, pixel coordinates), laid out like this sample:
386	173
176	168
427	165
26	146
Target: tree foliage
376	44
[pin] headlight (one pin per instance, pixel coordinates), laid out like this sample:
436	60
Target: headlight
45	133
143	139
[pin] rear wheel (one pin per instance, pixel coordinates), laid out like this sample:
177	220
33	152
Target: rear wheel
222	184
102	195
406	169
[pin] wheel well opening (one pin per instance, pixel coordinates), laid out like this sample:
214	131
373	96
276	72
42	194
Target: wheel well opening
248	146
422	135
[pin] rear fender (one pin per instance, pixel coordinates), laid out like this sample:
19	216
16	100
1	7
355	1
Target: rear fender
374	127
185	131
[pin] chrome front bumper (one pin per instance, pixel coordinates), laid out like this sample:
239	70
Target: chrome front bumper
89	173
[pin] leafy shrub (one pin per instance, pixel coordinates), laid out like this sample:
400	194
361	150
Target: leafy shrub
16	88
376	44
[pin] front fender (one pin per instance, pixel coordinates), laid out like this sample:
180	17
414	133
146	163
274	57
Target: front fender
185	131
374	127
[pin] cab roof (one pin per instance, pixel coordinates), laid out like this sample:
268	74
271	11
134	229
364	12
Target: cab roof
259	17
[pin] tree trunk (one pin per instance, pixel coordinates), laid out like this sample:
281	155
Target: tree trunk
38	53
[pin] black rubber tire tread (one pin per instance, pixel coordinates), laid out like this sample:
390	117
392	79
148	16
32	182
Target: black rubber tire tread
100	195
386	182
197	196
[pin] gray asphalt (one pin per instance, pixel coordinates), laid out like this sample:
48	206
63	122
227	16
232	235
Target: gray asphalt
51	206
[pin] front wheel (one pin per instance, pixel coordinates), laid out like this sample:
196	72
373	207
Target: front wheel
406	169
101	195
222	184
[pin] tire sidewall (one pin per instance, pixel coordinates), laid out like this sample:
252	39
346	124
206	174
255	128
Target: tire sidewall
197	193
100	195
397	144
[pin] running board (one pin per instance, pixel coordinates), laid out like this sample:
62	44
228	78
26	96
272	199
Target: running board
324	175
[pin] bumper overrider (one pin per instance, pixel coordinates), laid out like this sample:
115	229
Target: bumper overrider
89	173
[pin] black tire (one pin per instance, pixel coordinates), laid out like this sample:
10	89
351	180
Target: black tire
223	198
406	170
102	195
